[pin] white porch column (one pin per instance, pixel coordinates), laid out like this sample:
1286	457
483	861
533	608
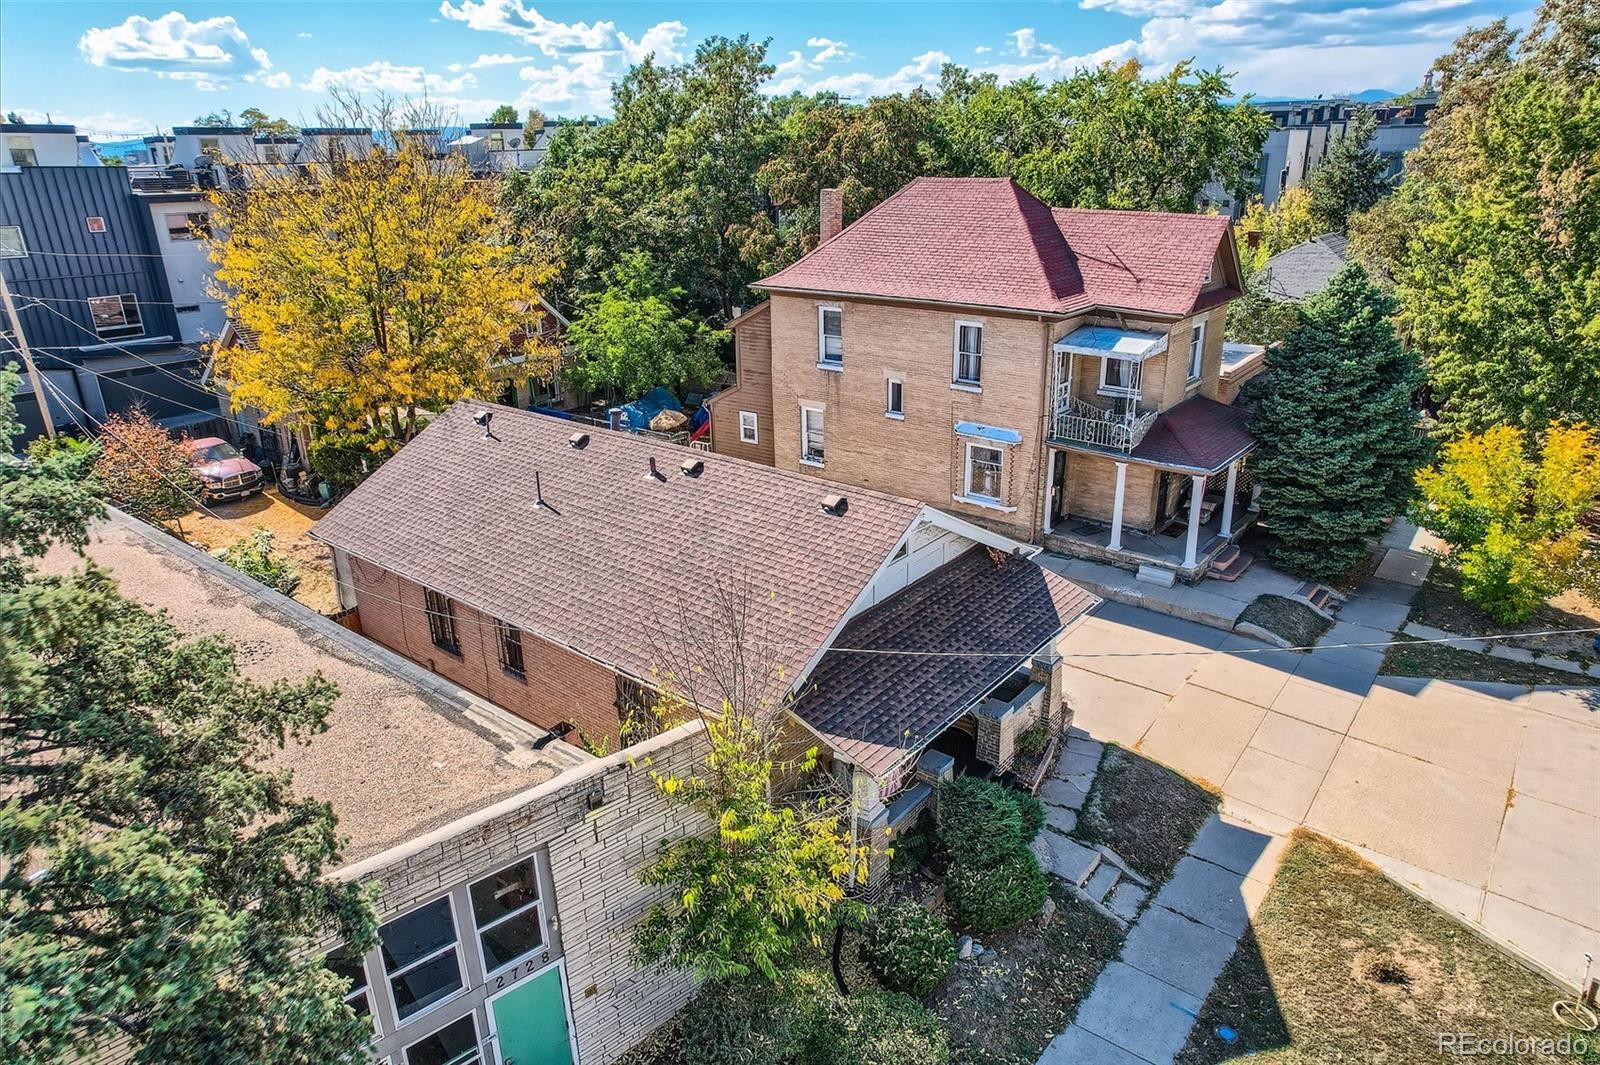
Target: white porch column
1116	507
1227	500
1197	494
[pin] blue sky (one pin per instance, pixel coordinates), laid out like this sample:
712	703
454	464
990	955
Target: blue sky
122	69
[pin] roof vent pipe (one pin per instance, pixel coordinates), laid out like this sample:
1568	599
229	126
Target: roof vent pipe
692	467
654	473
836	505
481	420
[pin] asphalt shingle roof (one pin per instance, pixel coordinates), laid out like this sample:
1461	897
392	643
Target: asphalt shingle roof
988	242
609	564
877	708
1302	270
1197	434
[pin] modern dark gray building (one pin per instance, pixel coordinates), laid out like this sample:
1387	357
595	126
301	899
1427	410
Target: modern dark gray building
85	267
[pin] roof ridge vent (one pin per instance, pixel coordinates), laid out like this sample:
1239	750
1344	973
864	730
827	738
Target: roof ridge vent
578	441
692	467
837	505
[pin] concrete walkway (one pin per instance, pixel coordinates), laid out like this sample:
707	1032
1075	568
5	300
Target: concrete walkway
1143	1004
1484	798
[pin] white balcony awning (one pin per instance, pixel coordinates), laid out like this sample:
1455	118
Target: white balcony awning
988	432
1111	343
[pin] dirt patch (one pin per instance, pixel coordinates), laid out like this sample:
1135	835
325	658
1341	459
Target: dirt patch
1284	617
220	524
1439	603
1145	812
1341	964
1409	657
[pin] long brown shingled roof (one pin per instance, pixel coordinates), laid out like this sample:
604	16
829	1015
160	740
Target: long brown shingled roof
901	672
987	242
616	558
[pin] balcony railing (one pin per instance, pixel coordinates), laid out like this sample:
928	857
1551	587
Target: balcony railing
1118	430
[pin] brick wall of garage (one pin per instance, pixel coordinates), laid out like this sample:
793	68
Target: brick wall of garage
558	685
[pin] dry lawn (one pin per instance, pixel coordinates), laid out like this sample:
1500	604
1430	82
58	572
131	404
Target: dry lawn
1144	811
1344	965
289	522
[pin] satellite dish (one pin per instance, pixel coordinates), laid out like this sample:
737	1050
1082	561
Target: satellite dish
516	142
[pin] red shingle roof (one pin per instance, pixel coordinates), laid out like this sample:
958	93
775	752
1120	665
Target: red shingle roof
878	708
1197	434
606	567
987	242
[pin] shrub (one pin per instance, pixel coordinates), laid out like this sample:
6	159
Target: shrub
876	1028
741	1022
913	847
1031	811
257	558
908	948
1005	895
345	459
1035	739
979	823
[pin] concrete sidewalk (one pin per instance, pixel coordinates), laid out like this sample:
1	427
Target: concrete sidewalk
1484	798
1144	1004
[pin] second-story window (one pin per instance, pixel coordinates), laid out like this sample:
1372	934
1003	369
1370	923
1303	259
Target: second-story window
830	336
22	153
509	637
1118	377
343	963
896	406
441	620
419	957
969	353
193	225
509	913
749	427
1197	350
811	435
115	316
985	472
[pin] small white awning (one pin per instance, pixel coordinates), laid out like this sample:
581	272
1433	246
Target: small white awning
988	432
1111	343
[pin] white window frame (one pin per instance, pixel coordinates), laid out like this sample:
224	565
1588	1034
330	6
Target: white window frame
823	360
1116	390
956	380
1211	271
20	247
1197	351
966	473
477	1038
749	427
461	965
537	904
894	399
365	990
822	413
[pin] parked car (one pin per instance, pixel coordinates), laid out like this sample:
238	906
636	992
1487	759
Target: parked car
225	473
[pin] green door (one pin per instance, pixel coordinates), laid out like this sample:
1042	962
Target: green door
530	1022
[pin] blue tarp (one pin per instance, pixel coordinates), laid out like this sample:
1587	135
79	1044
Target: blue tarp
636	415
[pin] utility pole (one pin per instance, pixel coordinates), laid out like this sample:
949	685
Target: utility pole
27	358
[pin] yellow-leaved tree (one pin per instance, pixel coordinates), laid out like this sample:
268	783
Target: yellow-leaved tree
1283	225
373	280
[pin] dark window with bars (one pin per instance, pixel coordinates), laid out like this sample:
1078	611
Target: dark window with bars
509	637
441	621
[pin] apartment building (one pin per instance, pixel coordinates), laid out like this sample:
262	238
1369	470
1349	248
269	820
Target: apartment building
1056	375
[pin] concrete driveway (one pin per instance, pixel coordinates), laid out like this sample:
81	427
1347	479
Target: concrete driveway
1484	798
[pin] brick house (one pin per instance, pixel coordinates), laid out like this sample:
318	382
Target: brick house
506	870
1058	375
562	572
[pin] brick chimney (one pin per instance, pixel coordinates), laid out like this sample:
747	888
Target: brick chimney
832	210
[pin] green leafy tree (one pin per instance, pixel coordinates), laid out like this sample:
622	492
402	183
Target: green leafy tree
261	122
1513	520
504	115
1258	317
145	471
532	125
154	884
257	557
1338	438
1494	244
1265	231
1350	177
767	880
630	339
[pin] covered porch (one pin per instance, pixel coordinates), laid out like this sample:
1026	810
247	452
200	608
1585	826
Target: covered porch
942	676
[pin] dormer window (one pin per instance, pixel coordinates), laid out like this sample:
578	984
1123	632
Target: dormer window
830	337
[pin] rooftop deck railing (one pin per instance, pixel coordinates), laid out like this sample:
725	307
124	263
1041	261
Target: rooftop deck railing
1082	422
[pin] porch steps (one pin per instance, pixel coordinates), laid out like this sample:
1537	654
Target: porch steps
1319	597
1152	574
1230	563
1106	882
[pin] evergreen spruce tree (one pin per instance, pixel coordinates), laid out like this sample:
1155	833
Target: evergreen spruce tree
1350	177
1339	447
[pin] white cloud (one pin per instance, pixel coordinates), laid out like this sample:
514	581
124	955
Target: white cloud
383	76
830	51
983	49
1023	41
796	71
586	57
208	52
303	35
279	79
923	70
498	59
